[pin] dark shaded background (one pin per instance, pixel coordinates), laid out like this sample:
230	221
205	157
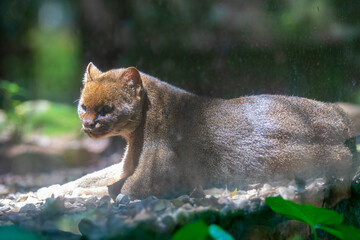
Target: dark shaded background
225	49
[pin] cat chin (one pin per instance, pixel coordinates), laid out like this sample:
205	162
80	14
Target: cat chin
95	136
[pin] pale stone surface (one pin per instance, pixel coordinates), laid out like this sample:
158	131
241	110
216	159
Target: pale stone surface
101	217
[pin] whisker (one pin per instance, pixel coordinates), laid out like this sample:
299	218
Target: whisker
131	120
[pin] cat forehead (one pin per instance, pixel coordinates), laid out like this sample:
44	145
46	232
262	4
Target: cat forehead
99	92
111	75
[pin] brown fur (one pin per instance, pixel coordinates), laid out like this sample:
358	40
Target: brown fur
178	140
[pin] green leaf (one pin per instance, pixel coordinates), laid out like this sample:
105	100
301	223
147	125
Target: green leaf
343	231
10	87
218	233
17	233
194	231
304	213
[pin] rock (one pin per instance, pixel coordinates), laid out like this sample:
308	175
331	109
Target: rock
181	216
223	200
53	207
177	203
155	216
251	193
142	216
4	208
3	189
135	207
16	218
148	201
266	190
184	198
75	205
286	193
122	199
160	205
7	202
187	206
204	201
90	203
28	207
27	199
12	196
104	202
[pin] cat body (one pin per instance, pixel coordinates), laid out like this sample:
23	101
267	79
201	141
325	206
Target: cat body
178	140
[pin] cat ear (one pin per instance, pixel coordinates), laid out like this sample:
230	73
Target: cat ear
132	76
91	72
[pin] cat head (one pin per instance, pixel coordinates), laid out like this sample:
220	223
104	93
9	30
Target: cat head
111	102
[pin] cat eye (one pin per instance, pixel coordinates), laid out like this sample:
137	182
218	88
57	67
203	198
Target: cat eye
106	109
83	107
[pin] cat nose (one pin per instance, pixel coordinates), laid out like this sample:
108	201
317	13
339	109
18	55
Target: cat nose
89	124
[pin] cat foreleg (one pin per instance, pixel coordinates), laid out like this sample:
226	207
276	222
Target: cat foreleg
95	184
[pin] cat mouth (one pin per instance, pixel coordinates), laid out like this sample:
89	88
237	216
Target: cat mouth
94	134
97	132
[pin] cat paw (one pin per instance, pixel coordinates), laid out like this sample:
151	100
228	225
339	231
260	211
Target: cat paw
70	190
52	191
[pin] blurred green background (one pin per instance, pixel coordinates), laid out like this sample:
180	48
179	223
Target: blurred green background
225	49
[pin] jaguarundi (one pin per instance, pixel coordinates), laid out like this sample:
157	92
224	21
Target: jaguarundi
177	140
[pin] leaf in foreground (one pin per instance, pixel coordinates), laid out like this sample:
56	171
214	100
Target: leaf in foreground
304	213
194	231
218	233
200	231
343	231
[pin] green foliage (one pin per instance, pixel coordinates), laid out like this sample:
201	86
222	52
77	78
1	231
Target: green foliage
47	118
317	218
11	92
197	230
304	213
343	231
9	87
41	116
200	231
17	233
56	63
